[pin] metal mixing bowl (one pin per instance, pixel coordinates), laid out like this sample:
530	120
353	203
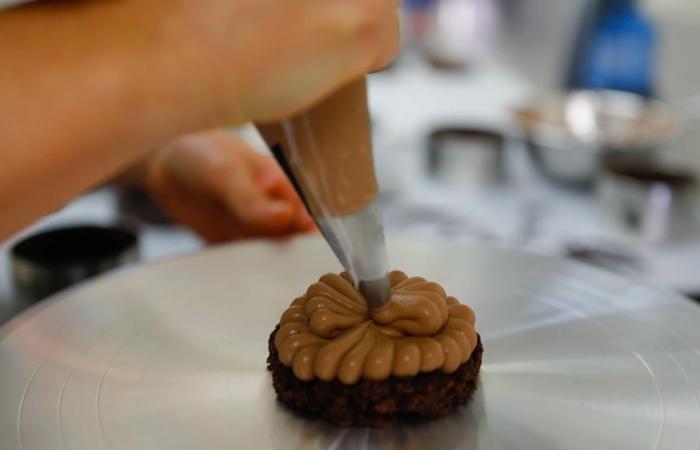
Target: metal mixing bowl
569	134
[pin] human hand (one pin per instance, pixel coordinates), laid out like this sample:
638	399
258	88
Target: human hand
218	186
129	76
262	60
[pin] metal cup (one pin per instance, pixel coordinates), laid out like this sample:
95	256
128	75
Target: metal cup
52	260
465	158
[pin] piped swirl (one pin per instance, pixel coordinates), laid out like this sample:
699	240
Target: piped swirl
331	333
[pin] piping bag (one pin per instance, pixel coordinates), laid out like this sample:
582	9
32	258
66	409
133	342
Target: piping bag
327	154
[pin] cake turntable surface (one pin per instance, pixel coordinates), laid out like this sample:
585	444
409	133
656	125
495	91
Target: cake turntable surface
172	356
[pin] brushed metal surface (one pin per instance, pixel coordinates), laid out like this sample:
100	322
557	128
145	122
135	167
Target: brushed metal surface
172	356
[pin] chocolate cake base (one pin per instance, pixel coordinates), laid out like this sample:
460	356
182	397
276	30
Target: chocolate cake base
376	404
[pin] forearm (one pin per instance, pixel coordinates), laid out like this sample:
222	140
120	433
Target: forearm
95	106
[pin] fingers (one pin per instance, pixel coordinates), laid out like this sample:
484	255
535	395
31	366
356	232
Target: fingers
275	184
273	181
264	59
220	187
249	205
326	44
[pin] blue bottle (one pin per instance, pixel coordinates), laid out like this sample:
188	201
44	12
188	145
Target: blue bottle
615	49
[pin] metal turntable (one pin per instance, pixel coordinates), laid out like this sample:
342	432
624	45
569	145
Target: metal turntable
172	356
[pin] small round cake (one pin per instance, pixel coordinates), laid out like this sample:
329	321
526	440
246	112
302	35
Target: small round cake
333	357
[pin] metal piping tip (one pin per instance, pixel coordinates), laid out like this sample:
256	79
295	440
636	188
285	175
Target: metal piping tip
376	292
367	241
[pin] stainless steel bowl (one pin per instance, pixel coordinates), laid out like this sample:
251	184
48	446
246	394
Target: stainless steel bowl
569	134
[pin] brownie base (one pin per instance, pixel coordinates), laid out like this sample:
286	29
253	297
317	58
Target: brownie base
376	404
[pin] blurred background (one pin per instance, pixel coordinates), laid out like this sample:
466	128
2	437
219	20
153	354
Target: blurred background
562	127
